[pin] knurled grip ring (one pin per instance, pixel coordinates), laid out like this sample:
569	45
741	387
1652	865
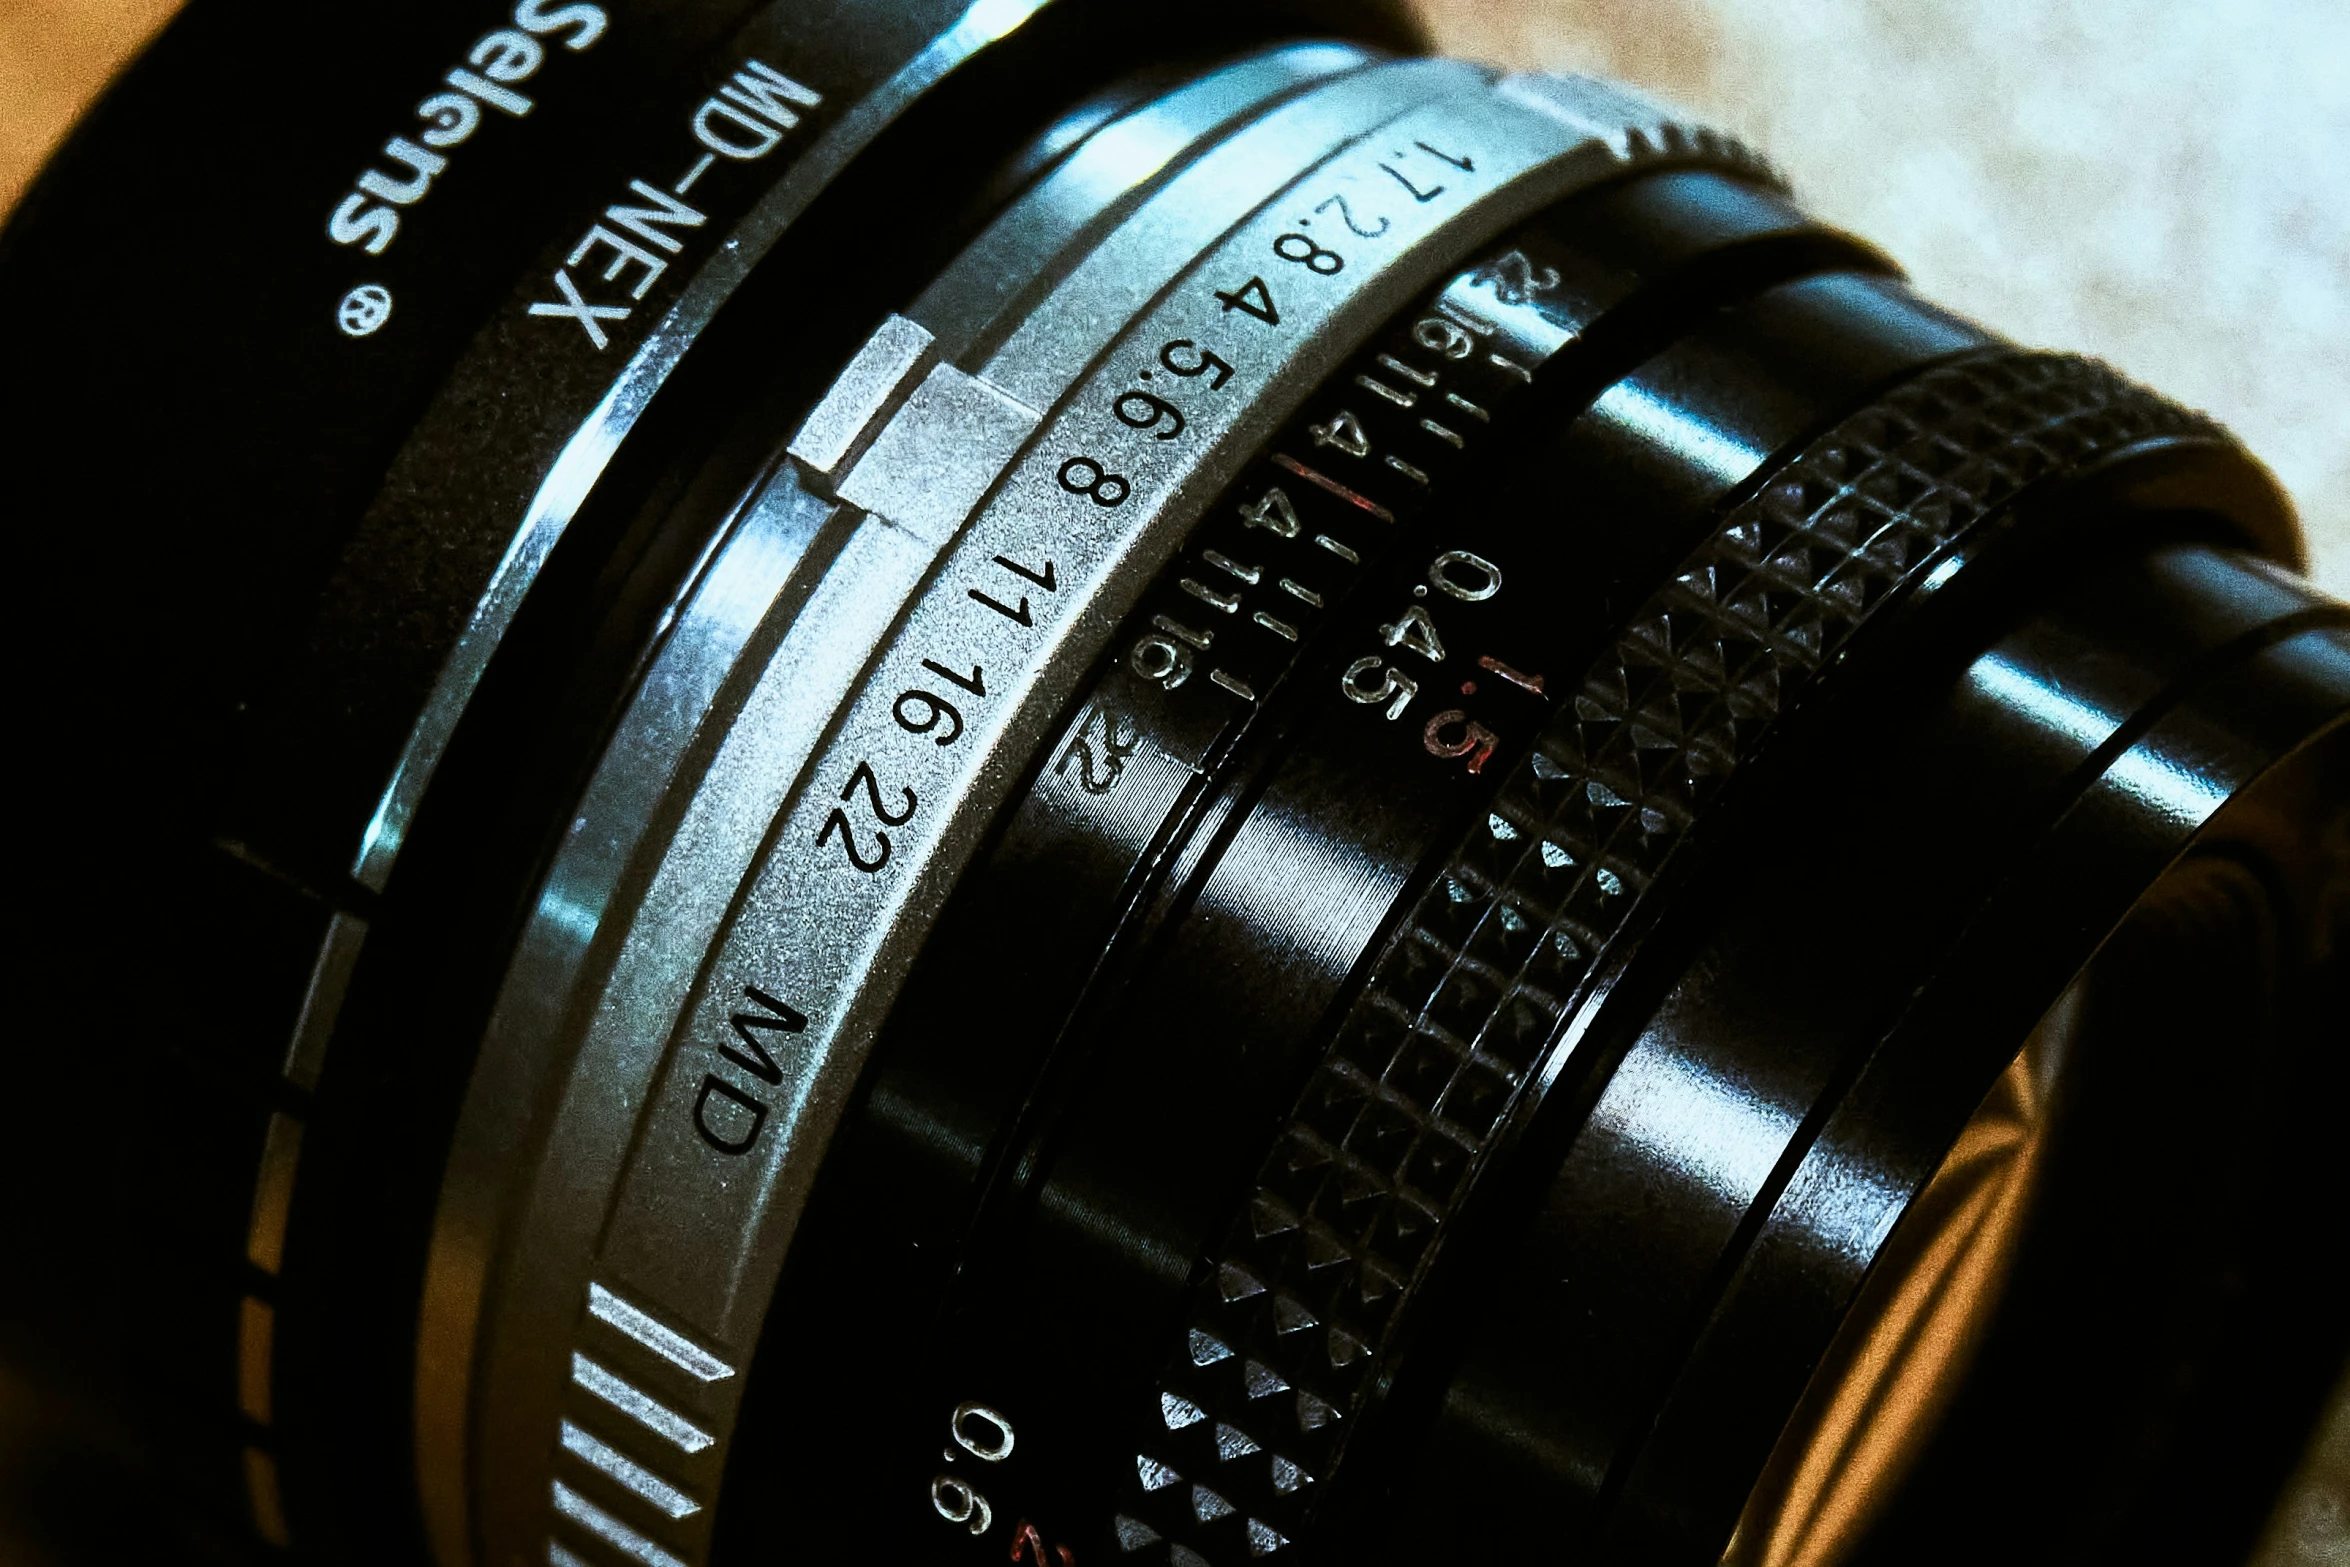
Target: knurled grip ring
1289	1335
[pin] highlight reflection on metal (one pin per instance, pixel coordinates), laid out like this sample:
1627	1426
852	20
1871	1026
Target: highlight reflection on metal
761	757
1068	329
1681	431
2174	786
777	545
764	745
860	395
625	1471
2033	692
1272	855
1598	787
1875	1399
674	1347
1710	1129
601	1524
639	1406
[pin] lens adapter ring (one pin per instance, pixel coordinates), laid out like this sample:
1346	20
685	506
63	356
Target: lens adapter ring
1503	963
679	1245
789	564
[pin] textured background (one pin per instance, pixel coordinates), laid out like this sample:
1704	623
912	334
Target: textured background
2165	185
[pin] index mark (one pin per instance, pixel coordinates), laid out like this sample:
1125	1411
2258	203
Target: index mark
1331	485
1531	683
672	1346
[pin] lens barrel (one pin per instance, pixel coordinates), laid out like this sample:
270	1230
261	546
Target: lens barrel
956	785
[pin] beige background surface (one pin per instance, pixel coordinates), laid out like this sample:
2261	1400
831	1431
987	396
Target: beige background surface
2164	183
2160	182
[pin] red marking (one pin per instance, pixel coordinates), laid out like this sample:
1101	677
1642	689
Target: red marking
1025	1538
1531	683
1334	487
1468	688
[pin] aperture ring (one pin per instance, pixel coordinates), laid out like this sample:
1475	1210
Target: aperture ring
1291	1329
651	1222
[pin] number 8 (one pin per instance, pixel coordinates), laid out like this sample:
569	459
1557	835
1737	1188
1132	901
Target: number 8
1312	255
1104	488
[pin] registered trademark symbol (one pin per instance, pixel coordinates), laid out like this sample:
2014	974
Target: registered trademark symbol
364	309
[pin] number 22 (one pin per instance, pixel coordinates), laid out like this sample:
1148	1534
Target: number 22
838	820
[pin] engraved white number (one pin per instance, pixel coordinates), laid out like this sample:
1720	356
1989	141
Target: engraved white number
1394	688
1162	660
1098	772
1440	336
993	1444
1345	432
958	1503
1516	279
1461	575
1276	512
1413	629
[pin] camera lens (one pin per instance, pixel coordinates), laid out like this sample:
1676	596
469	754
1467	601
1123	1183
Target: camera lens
1015	781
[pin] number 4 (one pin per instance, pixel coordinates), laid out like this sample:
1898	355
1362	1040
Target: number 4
1413	629
1276	512
1253	298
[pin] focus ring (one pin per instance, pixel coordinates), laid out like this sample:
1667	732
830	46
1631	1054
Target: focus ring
1291	1326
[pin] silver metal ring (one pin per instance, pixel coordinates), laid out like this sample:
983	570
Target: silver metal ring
785	548
845	615
645	1201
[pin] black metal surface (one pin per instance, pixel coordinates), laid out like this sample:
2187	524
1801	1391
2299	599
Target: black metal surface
1053	925
1695	1173
1344	1219
1991	836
